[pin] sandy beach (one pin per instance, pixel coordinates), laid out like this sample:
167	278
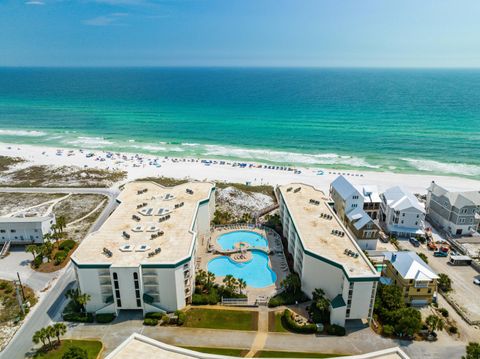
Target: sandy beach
139	165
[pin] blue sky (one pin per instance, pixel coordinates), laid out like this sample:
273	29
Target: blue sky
364	33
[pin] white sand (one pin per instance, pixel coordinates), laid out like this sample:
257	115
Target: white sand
142	165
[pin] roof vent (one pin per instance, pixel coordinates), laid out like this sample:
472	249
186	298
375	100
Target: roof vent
156	251
178	205
297	189
127	247
142	248
164	218
289	189
125	235
137	229
314	201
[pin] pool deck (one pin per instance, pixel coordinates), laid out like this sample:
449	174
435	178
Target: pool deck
275	259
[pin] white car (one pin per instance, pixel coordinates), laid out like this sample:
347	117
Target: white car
476	281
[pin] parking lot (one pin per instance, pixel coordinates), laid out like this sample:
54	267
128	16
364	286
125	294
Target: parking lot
465	294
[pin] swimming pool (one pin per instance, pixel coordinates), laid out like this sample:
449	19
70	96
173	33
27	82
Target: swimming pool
256	272
228	240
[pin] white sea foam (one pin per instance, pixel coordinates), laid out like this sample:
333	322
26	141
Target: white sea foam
157	148
26	133
259	155
90	142
442	167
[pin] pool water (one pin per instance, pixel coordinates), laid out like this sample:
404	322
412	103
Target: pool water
256	272
228	240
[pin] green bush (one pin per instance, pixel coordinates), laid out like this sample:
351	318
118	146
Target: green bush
203	299
165	319
78	317
60	257
285	298
334	329
154	315
3	285
66	245
75	353
105	317
290	324
150	321
38	261
388	330
444	312
181	317
453	329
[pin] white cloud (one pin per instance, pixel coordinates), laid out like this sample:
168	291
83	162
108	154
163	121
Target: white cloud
34	2
105	20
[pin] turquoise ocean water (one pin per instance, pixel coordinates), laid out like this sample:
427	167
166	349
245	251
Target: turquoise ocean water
385	120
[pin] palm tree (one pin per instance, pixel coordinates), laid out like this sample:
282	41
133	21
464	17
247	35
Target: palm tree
60	329
200	277
39	336
434	323
241	284
46	250
82	300
31	248
230	282
61	223
210	278
291	283
48	332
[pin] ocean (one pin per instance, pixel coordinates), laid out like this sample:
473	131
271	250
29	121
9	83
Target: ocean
417	121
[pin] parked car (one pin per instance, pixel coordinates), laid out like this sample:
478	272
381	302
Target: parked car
415	242
438	253
476	281
432	246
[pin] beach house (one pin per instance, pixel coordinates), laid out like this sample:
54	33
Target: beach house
401	213
458	213
357	207
143	257
412	275
26	228
325	255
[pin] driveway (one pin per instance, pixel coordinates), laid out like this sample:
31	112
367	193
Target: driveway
19	261
464	293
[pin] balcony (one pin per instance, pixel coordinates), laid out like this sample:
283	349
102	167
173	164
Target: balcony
147	298
149	274
108	300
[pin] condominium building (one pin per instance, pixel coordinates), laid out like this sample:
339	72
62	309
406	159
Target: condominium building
25	229
401	213
412	275
458	213
357	207
325	255
143	257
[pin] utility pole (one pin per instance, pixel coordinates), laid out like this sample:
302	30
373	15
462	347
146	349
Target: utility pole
19	298
21	286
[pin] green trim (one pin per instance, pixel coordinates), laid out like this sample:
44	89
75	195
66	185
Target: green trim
338	302
323	259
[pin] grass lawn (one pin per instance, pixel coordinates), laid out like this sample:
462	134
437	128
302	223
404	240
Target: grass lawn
275	323
278	354
92	347
221	319
220	351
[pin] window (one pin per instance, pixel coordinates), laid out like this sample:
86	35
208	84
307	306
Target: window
2	231
418	216
418	290
12	230
416	223
403	214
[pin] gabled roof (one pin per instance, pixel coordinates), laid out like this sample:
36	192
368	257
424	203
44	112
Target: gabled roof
359	218
370	193
344	188
410	266
457	199
399	199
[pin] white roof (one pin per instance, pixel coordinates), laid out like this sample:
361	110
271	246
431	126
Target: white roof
399	199
410	266
344	188
457	199
370	193
359	217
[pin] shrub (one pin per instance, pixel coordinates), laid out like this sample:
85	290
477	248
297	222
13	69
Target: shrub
181	317
7	287
3	285
203	299
105	317
38	261
444	312
78	317
165	319
150	321
285	298
334	329
66	245
60	257
387	330
290	324
453	329
154	315
75	353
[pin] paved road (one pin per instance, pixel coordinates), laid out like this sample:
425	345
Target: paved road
49	308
